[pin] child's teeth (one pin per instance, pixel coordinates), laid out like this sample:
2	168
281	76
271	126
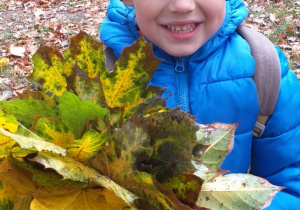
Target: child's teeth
182	29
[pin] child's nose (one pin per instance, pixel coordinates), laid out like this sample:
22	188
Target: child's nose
181	6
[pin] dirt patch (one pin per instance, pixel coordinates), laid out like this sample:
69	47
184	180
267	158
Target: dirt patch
24	25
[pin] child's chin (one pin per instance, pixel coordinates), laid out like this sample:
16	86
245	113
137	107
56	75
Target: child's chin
180	52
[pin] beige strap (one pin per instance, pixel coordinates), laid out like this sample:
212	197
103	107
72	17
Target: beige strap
260	125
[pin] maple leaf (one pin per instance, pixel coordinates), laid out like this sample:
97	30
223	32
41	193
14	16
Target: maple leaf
25	110
74	112
51	69
52	130
126	85
86	147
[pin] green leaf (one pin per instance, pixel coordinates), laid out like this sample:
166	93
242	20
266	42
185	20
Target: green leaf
86	88
126	84
152	194
122	157
80	199
215	141
186	188
45	177
173	137
76	171
52	130
153	101
18	153
50	69
28	140
87	53
25	110
131	145
86	147
115	117
75	112
237	191
46	96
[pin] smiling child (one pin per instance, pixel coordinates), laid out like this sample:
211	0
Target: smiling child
208	68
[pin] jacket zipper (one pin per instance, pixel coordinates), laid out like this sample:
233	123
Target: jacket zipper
181	84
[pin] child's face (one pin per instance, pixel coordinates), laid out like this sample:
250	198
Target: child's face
179	27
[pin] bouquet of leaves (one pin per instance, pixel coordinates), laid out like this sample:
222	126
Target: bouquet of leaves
87	138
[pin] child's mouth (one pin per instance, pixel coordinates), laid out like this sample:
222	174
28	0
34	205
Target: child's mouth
181	28
182	32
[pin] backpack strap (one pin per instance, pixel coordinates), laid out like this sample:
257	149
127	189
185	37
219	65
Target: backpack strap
267	74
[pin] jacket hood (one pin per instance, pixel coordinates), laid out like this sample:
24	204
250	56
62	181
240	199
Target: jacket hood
120	29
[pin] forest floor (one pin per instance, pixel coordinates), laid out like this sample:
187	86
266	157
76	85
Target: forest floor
25	24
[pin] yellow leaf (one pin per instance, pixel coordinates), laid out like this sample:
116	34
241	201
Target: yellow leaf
28	140
9	197
6	144
87	53
17	185
87	146
81	199
17	180
8	200
3	62
50	69
7	122
69	168
53	130
126	85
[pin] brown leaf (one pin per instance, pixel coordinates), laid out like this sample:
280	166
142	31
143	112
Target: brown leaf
283	36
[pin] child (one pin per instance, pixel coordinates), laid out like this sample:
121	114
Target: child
208	68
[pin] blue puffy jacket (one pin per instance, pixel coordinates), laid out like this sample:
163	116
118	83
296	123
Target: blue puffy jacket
215	85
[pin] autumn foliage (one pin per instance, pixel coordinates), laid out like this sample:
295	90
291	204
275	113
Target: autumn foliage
90	138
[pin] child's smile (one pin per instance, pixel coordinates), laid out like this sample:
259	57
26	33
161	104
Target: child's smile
182	32
182	28
179	27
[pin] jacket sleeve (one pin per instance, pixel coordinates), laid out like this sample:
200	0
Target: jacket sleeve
119	28
276	155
